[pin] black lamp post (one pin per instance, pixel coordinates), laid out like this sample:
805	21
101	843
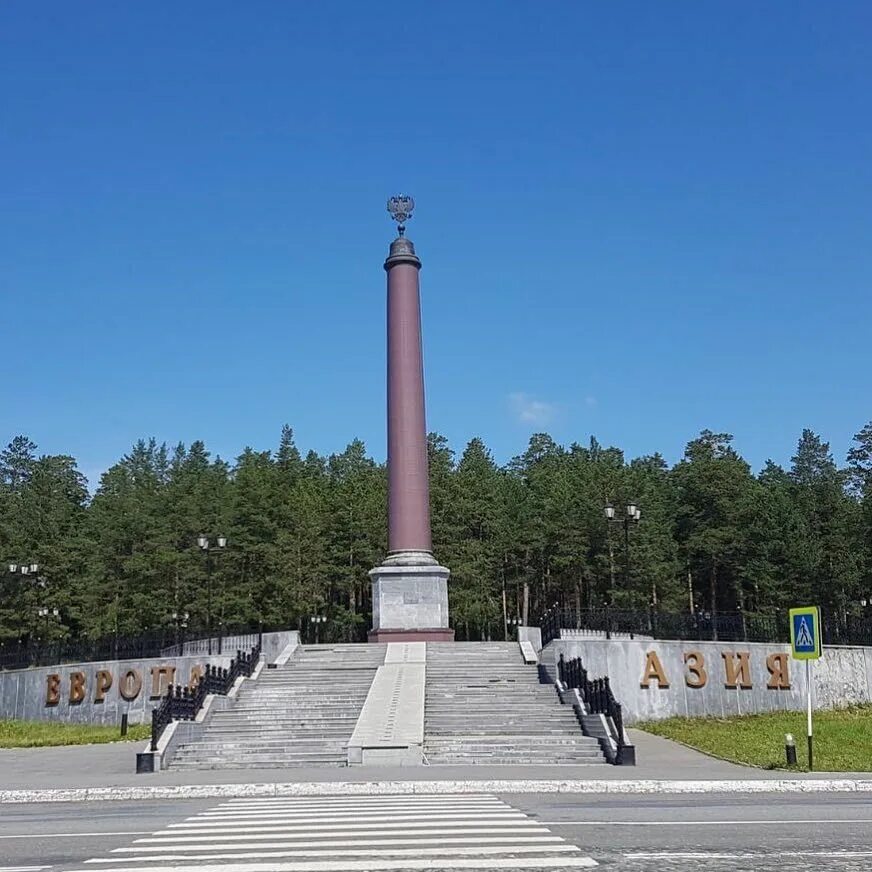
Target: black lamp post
316	621
180	619
46	613
629	518
514	622
27	571
208	548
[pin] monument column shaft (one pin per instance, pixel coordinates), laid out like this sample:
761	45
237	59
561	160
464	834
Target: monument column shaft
408	480
409	588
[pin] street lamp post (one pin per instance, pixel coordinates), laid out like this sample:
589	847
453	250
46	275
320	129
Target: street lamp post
46	613
208	548
181	621
630	517
27	571
316	621
515	622
865	603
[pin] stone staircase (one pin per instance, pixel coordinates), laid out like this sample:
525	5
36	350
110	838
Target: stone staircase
299	714
485	705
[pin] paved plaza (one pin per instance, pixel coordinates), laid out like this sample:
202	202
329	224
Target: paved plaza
111	766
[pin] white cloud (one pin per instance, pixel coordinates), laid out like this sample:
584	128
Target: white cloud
530	410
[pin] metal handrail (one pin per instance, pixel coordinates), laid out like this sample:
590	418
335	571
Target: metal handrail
183	703
596	693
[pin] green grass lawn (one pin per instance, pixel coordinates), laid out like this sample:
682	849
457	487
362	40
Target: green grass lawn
842	738
44	734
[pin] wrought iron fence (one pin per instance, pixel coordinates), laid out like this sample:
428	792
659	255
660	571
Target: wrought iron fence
17	655
182	703
221	644
726	626
846	630
165	643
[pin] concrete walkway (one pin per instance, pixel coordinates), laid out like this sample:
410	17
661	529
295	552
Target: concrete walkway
112	766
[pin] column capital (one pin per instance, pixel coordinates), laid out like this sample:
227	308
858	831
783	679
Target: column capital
402	251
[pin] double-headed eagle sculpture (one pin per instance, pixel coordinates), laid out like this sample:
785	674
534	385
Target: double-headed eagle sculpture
401	207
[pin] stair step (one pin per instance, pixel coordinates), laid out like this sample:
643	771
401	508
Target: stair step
514	761
483	705
302	713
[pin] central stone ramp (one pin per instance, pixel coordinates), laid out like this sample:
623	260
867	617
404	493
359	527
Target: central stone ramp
299	714
485	705
390	730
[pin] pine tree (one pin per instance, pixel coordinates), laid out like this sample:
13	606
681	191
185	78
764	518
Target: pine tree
476	565
713	484
860	481
16	463
830	569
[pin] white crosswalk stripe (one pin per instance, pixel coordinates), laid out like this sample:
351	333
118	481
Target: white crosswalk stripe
23	868
349	834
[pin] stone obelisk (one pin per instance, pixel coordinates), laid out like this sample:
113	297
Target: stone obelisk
410	589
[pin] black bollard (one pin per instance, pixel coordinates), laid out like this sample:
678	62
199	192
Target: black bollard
790	749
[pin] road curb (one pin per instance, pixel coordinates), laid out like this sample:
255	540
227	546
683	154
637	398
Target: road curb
386	788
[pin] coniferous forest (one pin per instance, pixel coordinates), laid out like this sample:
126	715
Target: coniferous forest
303	531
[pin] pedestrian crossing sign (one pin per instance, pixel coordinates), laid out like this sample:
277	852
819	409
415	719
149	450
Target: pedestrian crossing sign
805	636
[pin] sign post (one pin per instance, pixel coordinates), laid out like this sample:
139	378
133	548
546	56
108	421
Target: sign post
805	643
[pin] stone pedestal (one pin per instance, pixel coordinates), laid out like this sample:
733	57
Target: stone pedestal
410	599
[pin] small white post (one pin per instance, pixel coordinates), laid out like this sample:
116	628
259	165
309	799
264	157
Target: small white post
809	732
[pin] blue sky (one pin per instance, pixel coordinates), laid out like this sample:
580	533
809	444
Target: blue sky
636	220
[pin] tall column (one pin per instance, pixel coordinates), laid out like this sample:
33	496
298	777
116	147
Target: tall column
409	589
408	481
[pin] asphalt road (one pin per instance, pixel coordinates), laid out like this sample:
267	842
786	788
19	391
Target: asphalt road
714	832
717	832
64	834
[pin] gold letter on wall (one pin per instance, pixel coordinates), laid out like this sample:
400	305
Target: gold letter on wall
696	674
52	689
77	687
131	684
161	676
777	666
103	683
654	669
737	673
